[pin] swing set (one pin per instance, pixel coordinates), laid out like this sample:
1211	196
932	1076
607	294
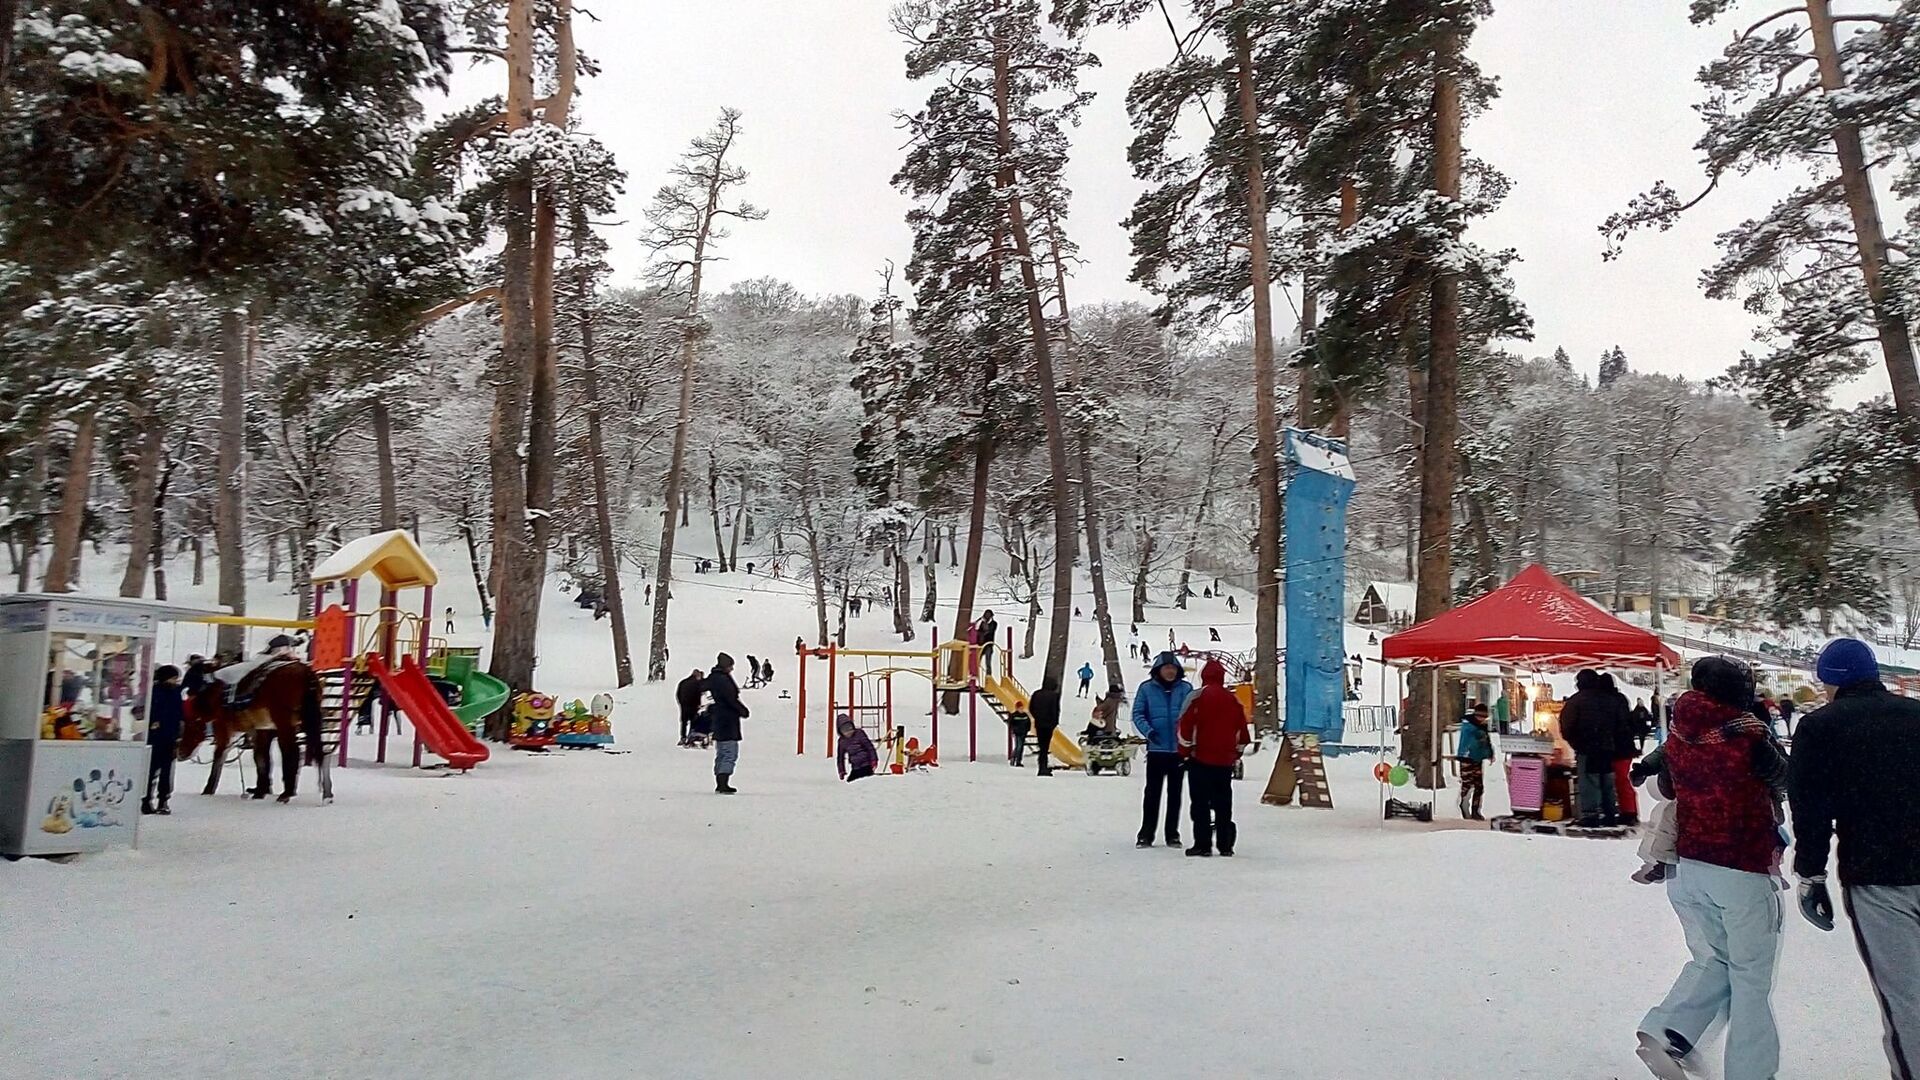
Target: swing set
951	667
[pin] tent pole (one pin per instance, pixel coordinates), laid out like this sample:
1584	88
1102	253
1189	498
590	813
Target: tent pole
1433	750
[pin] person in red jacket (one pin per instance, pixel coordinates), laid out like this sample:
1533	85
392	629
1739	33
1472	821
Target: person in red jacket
1212	735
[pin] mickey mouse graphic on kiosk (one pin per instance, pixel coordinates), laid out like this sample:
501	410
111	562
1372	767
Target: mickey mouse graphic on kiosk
75	678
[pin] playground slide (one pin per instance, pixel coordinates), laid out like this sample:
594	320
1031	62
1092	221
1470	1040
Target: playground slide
1066	751
438	728
1008	694
481	695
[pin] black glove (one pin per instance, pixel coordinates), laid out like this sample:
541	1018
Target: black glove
1815	905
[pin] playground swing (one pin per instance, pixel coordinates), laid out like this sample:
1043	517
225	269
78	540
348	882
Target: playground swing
950	667
870	706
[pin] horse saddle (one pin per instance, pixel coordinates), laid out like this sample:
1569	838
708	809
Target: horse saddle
243	680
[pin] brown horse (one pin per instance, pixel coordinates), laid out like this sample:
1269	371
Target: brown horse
286	703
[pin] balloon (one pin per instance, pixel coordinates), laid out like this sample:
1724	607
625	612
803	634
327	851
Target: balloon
1399	775
1382	771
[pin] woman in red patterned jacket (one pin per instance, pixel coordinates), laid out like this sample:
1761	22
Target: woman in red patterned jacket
1725	771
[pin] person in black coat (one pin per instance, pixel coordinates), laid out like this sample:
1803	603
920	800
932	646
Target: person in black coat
727	712
985	629
687	693
1589	724
1044	707
165	718
1851	774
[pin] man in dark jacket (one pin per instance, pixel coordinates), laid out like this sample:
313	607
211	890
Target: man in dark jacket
1156	715
1588	722
1044	707
1851	773
166	716
687	693
727	712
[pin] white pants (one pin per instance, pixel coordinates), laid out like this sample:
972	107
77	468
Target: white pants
1732	923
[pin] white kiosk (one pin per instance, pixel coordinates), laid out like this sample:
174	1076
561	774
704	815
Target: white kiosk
75	675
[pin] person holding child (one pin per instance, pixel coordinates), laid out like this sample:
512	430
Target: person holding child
1726	774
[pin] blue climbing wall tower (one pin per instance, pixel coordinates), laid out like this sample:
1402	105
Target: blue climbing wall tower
1319	483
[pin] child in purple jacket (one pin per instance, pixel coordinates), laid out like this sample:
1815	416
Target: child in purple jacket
856	757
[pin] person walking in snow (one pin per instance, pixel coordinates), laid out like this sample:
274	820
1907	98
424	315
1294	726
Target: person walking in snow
1474	750
856	757
853	606
1086	678
1722	769
1019	724
1233	605
1044	707
687	695
1212	731
727	712
449	620
1851	774
1156	711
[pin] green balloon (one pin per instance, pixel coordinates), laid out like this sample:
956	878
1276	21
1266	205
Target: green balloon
1399	775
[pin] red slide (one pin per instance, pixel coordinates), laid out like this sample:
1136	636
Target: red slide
439	729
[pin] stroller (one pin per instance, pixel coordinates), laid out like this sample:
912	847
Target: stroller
700	732
1106	751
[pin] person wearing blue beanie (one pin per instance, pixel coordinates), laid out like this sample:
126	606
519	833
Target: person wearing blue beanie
1851	777
1846	661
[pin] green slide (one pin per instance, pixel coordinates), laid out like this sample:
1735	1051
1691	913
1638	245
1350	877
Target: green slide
481	695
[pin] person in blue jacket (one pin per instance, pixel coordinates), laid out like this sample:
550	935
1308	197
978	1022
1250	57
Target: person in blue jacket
1156	714
1474	750
1086	677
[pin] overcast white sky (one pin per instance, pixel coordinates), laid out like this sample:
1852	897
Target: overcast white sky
1595	105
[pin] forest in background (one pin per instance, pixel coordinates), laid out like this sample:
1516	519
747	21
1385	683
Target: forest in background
254	300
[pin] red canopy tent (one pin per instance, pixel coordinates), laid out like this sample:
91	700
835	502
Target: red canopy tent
1535	622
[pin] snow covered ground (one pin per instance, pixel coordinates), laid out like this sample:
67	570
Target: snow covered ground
607	915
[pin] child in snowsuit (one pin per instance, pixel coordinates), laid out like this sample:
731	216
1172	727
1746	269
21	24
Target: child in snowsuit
856	756
1018	725
1213	734
1475	750
1659	832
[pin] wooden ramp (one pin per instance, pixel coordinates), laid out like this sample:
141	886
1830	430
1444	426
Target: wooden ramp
1299	771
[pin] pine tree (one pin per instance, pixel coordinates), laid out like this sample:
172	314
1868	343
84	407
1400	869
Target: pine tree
1613	364
988	147
1808	539
1561	360
1796	87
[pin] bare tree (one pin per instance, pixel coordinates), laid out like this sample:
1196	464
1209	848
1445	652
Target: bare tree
686	218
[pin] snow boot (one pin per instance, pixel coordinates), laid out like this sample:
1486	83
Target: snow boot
147	808
1666	1058
1200	852
723	783
1143	842
163	811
